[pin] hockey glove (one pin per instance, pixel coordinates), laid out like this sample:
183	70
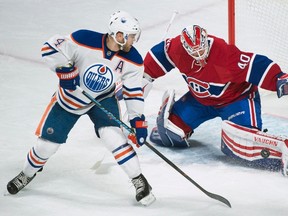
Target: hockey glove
140	126
282	85
68	76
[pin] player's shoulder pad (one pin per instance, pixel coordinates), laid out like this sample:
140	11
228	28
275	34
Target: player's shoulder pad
87	38
159	47
133	55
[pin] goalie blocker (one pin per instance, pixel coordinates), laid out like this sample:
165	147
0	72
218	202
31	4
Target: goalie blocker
255	147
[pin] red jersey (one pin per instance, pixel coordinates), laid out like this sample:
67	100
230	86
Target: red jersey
229	75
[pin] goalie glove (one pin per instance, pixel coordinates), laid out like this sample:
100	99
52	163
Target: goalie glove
68	76
282	85
140	126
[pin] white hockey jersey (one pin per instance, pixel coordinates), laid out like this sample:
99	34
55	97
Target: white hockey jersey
99	70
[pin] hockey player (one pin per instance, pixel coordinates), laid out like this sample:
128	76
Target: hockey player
223	82
95	62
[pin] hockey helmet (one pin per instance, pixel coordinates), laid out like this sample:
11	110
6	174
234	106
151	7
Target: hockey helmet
195	42
122	21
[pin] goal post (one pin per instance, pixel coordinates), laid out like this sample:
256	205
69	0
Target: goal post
231	22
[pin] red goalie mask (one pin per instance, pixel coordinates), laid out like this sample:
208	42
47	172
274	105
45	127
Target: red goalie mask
194	41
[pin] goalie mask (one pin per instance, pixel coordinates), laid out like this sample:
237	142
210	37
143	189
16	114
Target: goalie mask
122	21
194	40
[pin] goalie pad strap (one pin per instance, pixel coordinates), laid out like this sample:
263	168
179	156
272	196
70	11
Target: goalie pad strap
178	122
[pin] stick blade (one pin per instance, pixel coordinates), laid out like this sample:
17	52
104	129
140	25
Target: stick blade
219	198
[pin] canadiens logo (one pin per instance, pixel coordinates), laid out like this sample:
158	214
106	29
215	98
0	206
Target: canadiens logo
203	89
197	87
98	77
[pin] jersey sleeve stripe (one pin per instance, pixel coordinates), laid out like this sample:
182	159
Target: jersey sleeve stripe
159	55
47	50
260	66
132	93
264	75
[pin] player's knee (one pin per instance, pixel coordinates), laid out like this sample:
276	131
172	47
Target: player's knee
112	136
45	148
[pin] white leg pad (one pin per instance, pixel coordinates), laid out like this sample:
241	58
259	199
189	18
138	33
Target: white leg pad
251	144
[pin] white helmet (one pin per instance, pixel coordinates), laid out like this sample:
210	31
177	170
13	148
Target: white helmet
122	21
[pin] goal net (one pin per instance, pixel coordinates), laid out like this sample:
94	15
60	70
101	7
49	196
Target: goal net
261	26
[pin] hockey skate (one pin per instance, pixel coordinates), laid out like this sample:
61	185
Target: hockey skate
19	182
143	190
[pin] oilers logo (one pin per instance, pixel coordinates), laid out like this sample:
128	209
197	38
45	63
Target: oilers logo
98	77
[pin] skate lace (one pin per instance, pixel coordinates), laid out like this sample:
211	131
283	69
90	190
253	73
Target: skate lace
21	181
139	184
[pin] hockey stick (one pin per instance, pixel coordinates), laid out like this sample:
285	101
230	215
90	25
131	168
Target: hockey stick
130	130
170	23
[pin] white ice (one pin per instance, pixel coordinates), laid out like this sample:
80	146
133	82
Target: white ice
70	183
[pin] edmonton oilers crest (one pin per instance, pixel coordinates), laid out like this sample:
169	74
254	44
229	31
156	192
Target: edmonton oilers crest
98	78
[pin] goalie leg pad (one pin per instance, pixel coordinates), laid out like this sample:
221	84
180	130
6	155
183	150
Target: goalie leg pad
167	133
252	146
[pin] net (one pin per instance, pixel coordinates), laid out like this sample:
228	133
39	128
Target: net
261	26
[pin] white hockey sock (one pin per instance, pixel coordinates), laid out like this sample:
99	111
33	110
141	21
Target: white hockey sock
123	152
38	155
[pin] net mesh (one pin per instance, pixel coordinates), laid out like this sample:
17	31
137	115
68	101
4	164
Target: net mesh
262	27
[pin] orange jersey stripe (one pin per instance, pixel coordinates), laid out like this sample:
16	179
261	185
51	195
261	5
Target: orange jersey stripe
133	95
45	48
68	100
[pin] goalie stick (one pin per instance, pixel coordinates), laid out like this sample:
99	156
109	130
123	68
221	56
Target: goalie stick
130	130
170	23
